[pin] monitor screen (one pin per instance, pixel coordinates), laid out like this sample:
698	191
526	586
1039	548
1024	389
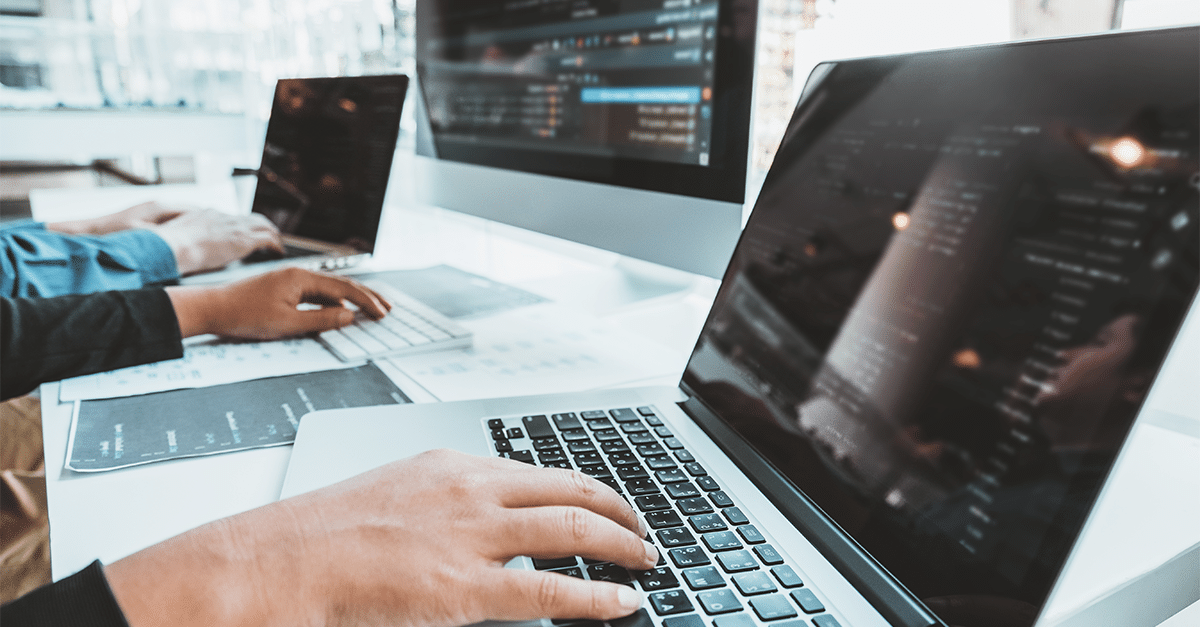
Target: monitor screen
960	279
648	94
327	157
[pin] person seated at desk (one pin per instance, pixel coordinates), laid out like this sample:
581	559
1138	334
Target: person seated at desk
421	541
148	244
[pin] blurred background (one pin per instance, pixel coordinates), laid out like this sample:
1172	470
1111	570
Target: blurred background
93	92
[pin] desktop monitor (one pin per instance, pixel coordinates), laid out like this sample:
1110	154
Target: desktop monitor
621	125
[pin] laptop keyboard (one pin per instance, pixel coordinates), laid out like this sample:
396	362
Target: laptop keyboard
410	327
717	568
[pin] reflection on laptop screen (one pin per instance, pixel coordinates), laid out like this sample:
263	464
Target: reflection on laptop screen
328	153
962	274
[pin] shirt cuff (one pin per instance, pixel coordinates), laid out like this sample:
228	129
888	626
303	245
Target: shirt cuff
153	258
81	599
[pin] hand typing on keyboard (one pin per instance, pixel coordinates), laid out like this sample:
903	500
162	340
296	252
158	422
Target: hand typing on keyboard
419	542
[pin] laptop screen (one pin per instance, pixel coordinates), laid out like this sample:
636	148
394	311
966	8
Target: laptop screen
961	276
327	157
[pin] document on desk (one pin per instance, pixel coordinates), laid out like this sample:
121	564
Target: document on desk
107	434
204	363
541	349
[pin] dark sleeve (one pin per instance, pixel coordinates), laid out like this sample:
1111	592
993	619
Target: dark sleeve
82	599
48	339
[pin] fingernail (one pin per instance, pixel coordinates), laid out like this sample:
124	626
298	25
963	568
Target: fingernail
643	530
651	552
629	598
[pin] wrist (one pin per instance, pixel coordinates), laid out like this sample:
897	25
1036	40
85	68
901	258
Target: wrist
196	309
70	227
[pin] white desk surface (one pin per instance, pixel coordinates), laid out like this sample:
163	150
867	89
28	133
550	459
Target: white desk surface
109	515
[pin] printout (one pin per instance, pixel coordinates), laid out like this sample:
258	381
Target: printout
116	433
205	363
542	349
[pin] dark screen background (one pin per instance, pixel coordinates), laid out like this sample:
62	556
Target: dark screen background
960	278
328	154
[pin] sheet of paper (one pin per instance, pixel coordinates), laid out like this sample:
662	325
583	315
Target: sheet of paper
541	349
204	363
121	432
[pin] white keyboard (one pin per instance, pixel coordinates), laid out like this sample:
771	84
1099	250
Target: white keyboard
410	327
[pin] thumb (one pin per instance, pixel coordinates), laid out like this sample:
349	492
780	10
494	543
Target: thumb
323	319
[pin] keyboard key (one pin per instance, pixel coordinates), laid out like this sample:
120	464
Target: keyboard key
640	438
718	601
495	423
537	427
751	535
663	432
773	607
708	484
633	427
682	490
652	503
660	462
690	620
504	446
593	414
580	447
657	579
825	620
570	572
807	601
623	415
595	470
566	421
607	435
670	476
767	554
639	487
676	536
646	410
546	444
733	620
721	541
787	577
670	602
689	556
608	572
694	505
557	562
736	561
672	443
646	450
610	482
576	622
625	473
695	469
753	583
666	518
735	516
498	434
615	446
551	458
524	456
576	435
720	499
684	456
654	421
514	433
707	522
597	425
703	578
640	618
565	465
588	458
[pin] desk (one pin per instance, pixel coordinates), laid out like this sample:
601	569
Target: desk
110	515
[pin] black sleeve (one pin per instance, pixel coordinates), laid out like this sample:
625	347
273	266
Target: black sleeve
82	599
47	339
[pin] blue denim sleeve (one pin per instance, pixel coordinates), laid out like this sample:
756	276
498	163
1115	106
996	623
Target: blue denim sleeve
37	262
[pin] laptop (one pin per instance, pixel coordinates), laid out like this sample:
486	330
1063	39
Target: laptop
325	166
957	286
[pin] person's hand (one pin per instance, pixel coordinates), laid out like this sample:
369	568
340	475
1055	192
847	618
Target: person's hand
419	542
143	216
209	239
267	306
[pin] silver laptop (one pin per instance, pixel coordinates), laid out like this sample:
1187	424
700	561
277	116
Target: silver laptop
325	166
961	277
